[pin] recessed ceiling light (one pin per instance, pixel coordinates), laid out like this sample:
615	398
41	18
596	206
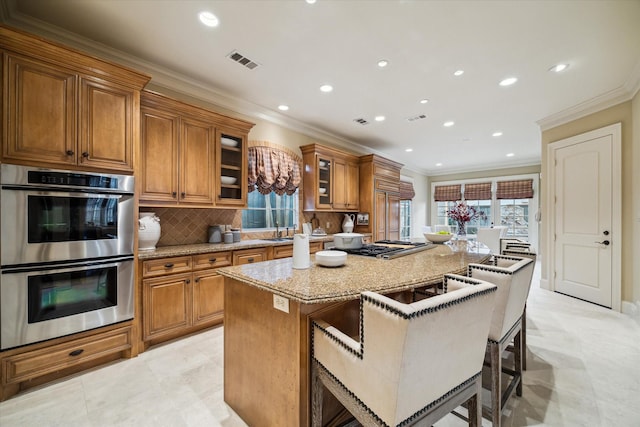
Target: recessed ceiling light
408	150
508	81
424	101
438	164
559	68
326	88
283	107
208	19
497	133
383	63
380	118
458	73
310	1
510	155
448	124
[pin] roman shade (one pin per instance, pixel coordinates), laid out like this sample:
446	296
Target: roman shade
274	170
521	189
406	191
477	191
447	193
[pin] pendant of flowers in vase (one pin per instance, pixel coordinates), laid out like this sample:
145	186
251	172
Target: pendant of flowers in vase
462	213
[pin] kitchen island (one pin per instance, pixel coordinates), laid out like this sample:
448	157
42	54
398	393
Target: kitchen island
269	308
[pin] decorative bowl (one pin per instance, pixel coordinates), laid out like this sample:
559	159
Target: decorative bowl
331	258
229	142
437	237
323	190
322	163
228	180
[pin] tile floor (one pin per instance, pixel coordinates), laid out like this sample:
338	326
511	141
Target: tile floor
583	370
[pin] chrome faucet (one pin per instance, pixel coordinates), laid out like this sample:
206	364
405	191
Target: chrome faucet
277	229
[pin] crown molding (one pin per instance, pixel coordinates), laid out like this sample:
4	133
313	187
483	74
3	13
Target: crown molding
609	99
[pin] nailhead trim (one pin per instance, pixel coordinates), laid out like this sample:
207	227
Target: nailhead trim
337	340
462	279
501	271
504	337
411	418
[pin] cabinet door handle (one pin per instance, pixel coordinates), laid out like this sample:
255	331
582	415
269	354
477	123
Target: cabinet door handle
168	265
174	194
212	260
85	154
249	260
69	152
77	352
183	194
187	281
197	280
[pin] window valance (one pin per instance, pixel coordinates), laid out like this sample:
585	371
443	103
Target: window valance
521	189
447	193
477	191
406	191
274	170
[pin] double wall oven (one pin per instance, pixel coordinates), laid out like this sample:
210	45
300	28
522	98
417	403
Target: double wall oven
66	257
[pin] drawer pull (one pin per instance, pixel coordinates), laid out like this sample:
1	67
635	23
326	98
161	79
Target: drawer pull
76	352
168	265
187	281
70	153
249	260
212	260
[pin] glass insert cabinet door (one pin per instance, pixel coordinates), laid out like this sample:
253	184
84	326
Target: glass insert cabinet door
231	169
325	182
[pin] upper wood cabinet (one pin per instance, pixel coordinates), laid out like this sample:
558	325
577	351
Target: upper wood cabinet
186	152
62	108
330	179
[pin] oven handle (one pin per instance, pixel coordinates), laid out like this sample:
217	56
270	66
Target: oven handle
76	265
67	190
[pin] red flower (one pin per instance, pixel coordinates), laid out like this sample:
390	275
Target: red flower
461	212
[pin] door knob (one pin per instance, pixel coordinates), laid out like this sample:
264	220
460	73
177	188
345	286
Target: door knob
604	242
605	232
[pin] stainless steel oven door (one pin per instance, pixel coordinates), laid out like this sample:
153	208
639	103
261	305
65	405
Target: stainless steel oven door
47	226
45	302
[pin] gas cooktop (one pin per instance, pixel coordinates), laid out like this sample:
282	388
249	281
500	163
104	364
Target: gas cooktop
388	249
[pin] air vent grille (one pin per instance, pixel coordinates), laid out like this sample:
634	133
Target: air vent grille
361	121
414	118
243	60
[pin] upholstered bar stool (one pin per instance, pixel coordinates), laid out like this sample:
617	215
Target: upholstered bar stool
513	277
413	364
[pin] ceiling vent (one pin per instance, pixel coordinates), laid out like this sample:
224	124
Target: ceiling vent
243	60
414	118
361	121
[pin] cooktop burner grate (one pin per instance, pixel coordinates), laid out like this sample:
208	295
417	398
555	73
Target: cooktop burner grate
379	248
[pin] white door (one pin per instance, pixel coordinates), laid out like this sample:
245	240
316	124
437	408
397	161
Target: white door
587	217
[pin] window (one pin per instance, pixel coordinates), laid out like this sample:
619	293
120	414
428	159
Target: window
405	220
266	211
481	206
514	214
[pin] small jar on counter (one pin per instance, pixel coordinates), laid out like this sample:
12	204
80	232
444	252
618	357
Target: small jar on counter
228	237
236	235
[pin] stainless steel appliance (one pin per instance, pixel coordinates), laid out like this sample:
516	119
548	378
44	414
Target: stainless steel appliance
67	252
389	249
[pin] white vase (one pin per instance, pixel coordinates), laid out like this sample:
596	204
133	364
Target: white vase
148	231
347	224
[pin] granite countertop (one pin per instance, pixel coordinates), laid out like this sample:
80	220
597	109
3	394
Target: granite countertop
324	284
202	248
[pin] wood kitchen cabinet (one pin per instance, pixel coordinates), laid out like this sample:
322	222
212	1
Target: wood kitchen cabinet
330	179
249	256
181	295
186	152
285	251
380	196
65	109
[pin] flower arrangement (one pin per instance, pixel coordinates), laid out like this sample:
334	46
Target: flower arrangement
462	214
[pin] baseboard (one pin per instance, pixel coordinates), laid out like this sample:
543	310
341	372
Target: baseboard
630	308
544	284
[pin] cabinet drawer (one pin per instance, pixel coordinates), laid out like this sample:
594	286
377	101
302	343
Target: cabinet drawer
249	256
282	251
40	362
388	186
159	267
214	259
315	247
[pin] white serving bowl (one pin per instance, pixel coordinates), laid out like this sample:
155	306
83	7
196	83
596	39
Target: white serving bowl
437	238
228	180
323	190
229	142
331	258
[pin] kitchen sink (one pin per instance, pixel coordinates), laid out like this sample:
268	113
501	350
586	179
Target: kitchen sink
279	239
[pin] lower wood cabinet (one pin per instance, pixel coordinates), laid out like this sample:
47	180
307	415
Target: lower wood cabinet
182	294
285	251
37	364
249	256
